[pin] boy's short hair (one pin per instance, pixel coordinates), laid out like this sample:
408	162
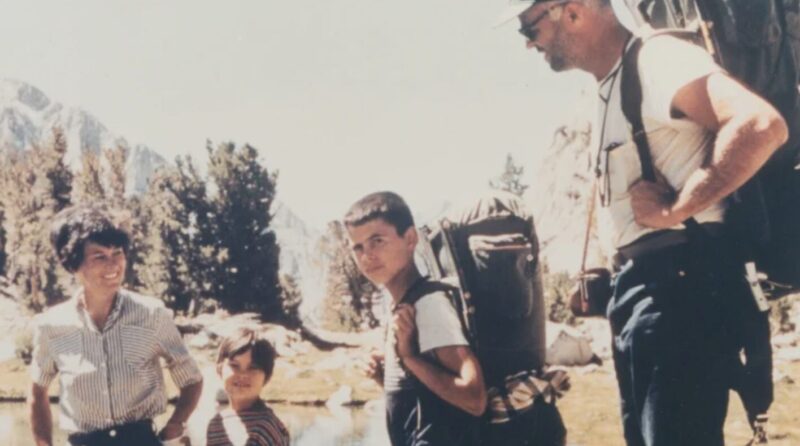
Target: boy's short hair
384	205
244	339
76	225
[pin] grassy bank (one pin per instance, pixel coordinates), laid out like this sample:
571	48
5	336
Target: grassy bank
590	409
304	379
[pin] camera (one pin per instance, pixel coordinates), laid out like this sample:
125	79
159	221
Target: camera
592	294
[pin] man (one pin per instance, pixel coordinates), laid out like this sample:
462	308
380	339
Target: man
105	344
432	380
679	290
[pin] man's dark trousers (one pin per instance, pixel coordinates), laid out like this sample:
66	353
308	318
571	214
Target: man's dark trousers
140	433
676	319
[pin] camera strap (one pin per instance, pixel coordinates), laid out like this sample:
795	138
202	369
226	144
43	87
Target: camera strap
589	217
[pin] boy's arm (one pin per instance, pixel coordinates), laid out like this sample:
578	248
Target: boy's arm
40	415
374	369
457	378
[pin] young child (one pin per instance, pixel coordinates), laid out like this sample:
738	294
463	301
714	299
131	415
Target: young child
427	358
245	362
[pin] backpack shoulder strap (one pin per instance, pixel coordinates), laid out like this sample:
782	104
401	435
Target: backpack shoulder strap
631	96
425	286
631	99
422	287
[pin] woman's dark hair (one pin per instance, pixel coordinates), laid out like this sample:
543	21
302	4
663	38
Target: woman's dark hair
74	226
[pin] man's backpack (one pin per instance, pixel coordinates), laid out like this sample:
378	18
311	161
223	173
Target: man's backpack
757	42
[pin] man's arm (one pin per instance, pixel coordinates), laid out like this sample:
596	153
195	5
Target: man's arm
187	401
40	415
457	378
184	371
748	130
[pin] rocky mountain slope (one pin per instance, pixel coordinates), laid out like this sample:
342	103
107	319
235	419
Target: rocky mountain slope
560	191
27	116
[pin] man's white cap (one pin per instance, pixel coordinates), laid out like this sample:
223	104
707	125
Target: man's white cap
514	9
627	12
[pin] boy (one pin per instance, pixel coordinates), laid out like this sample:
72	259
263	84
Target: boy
432	380
245	363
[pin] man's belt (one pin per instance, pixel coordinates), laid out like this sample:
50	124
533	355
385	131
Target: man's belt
134	429
669	238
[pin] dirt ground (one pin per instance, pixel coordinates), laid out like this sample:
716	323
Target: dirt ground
590	408
591	412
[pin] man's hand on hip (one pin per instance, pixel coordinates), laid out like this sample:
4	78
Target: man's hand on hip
652	204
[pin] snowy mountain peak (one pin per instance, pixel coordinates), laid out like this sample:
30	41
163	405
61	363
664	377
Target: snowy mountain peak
27	117
23	94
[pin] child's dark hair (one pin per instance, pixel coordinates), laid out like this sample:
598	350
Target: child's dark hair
74	226
244	339
384	205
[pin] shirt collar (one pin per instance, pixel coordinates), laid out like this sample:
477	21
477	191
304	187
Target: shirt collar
113	315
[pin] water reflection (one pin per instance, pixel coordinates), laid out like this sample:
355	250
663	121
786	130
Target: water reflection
340	427
308	426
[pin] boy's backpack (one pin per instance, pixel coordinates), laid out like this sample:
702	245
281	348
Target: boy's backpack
486	259
757	42
488	256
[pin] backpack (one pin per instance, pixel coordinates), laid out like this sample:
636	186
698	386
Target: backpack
758	43
488	256
486	259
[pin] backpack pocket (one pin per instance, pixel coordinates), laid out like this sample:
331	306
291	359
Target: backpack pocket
504	266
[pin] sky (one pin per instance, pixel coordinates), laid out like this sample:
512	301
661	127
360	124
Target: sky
343	97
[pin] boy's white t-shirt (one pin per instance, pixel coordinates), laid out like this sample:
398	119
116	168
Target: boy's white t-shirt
438	325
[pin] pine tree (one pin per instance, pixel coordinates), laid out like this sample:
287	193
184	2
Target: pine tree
115	175
291	299
88	184
177	241
36	185
557	287
58	174
350	298
511	178
137	249
246	277
2	234
158	270
197	246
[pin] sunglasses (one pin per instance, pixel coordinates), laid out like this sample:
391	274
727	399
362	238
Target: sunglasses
530	31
